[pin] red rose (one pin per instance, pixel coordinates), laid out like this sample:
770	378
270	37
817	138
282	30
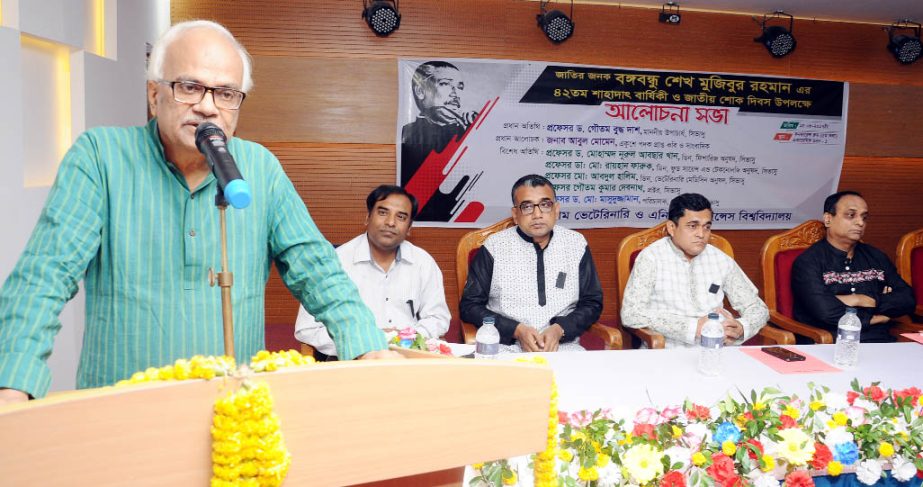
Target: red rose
799	478
673	479
645	431
698	412
913	393
851	397
874	393
822	456
759	447
788	422
722	470
445	349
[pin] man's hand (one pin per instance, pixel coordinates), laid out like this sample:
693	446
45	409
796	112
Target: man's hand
879	319
857	300
552	336
530	340
12	396
733	329
699	326
381	355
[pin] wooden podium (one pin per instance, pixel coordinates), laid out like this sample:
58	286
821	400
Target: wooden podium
343	422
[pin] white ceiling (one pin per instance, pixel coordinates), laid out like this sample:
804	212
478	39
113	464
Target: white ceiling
882	12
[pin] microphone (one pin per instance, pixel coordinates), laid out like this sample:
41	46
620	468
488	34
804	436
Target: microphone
211	141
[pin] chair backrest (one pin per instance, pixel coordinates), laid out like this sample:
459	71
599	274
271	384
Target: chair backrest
633	244
910	261
468	247
778	254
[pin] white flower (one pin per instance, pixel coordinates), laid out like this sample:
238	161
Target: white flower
836	436
679	454
796	447
764	480
902	469
835	401
856	414
869	472
610	475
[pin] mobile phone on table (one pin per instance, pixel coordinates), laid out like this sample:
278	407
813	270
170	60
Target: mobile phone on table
783	353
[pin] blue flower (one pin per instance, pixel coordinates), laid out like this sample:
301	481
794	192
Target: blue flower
727	432
846	453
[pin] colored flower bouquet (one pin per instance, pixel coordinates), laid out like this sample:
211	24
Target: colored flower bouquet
409	338
766	439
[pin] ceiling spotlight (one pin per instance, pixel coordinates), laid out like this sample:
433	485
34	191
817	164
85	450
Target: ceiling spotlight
555	24
382	16
669	13
778	40
906	49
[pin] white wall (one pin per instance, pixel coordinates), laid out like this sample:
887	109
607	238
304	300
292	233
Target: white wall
106	90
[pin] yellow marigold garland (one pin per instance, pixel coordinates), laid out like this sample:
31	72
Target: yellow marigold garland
544	462
198	367
247	444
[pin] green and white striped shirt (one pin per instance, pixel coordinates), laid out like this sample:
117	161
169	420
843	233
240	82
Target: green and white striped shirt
122	217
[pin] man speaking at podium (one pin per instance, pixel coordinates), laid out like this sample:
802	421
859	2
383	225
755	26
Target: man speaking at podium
132	211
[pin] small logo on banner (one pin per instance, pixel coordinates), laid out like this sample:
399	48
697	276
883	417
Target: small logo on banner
789	125
782	137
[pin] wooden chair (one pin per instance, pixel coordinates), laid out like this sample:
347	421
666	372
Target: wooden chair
629	249
910	264
778	254
468	246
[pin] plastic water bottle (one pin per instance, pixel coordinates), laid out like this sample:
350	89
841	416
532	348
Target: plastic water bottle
846	353
710	342
487	339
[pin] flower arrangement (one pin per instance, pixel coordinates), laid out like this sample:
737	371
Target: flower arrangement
764	439
247	443
409	338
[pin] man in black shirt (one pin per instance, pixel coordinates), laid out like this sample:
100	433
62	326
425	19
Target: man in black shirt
841	271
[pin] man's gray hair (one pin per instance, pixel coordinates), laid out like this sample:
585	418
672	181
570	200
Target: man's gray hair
155	64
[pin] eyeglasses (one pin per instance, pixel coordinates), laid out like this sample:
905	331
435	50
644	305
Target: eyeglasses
192	93
528	207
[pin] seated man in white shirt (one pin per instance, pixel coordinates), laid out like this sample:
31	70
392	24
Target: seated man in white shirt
399	281
678	280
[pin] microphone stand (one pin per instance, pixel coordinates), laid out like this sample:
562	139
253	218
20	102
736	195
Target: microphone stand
224	278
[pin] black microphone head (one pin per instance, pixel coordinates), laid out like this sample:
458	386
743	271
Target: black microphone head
206	131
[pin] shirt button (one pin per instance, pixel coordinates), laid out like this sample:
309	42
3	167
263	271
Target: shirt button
389	321
852	289
847	268
192	233
387	299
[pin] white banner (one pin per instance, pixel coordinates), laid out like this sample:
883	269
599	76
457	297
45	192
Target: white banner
618	144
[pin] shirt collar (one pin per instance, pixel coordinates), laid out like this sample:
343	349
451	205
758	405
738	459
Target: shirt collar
678	252
153	131
529	239
842	254
364	254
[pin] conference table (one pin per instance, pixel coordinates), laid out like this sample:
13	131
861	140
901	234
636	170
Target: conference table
626	380
632	379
